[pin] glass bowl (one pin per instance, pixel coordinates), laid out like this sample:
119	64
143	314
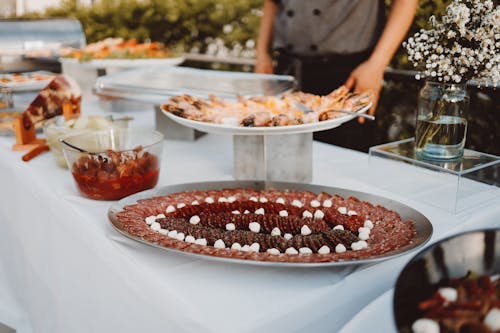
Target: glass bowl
114	163
431	273
58	128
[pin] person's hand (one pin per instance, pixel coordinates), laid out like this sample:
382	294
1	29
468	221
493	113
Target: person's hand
367	76
264	64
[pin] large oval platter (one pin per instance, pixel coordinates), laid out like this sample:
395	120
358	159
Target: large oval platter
422	225
276	130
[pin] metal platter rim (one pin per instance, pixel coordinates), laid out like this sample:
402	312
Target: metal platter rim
419	240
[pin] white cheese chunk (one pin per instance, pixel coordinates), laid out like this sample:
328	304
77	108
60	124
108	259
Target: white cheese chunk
318	214
291	250
231	199
340	248
296	203
338	227
172	234
364	229
305	250
324	250
305	230
352	212
263	199
280	201
424	325
254	199
170	209
201	241
219	244
260	211
315	203
209	200
195	219
222	199
230	227
364	235
287	236
492	319
363	244
254	227
180	236
195	203
327	203
236	246
181	205
449	294
283	213
368	224
273	251
150	219
307	214
163	231
155	226
342	210
190	239
254	247
276	231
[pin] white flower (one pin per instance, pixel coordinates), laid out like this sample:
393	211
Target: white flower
441	50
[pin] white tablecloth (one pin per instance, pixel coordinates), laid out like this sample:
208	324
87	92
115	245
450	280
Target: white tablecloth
63	268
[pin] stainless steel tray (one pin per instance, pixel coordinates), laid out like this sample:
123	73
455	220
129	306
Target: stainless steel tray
422	224
156	84
475	251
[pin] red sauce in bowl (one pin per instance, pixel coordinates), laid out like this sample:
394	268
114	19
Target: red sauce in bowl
116	175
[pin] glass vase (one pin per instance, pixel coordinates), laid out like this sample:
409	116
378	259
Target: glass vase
441	123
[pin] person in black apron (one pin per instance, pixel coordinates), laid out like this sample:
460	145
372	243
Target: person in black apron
327	43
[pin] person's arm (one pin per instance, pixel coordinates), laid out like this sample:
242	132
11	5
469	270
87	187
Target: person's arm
264	63
370	74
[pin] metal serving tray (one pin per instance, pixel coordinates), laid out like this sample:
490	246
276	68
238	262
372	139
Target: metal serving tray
156	84
422	224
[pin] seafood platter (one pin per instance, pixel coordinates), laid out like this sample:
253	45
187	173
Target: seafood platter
288	113
271	124
271	223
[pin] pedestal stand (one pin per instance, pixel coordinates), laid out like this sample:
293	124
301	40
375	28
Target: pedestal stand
286	157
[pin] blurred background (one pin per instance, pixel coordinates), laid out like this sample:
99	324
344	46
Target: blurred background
221	34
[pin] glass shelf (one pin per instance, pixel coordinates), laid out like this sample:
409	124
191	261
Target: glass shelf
453	185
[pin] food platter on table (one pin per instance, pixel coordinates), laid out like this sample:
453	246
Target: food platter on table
287	113
126	63
26	81
209	211
239	130
117	52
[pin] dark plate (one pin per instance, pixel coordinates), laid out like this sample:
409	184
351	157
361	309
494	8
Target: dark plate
422	224
453	257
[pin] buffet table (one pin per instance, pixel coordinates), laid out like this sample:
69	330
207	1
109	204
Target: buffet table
63	268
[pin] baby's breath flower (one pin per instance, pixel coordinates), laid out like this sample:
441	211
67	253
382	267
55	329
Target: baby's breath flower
464	45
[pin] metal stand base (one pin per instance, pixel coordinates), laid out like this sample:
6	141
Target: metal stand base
273	157
172	130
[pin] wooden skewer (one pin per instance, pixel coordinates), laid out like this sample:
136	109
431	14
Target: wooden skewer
35	152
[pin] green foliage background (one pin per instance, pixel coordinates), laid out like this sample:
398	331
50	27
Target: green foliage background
195	23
